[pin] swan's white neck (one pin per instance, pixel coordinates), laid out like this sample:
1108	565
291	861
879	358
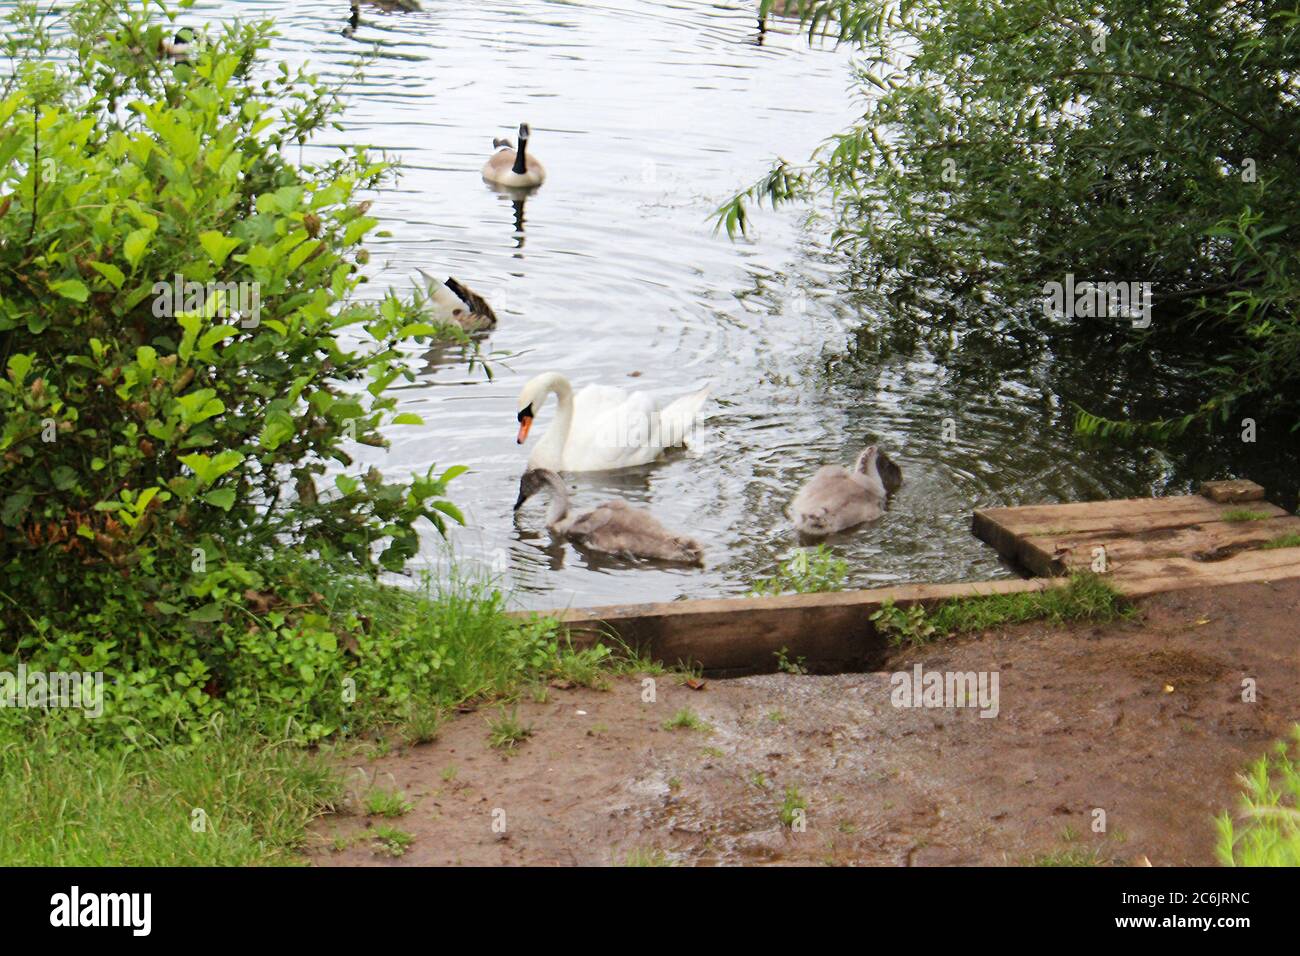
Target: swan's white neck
550	449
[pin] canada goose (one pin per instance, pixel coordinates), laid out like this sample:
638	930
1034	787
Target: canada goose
603	427
180	46
614	527
836	498
354	19
513	168
455	304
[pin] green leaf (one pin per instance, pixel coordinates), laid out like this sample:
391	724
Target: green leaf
14	507
135	246
208	614
223	498
217	246
279	428
110	272
73	289
449	509
19	365
63	477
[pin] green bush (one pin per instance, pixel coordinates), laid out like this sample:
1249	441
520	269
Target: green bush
183	355
133	437
1004	144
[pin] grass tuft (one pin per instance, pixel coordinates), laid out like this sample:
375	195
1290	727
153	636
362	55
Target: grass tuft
1267	832
507	731
1086	598
387	803
686	719
1244	514
793	807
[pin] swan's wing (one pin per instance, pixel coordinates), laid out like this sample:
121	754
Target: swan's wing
677	419
830	499
590	522
635	532
611	429
593	399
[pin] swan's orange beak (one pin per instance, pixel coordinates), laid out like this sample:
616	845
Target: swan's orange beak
525	423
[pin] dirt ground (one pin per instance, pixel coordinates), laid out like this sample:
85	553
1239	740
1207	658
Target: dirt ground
1143	720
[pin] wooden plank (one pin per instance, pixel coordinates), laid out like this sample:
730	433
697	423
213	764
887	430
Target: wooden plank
1019	533
1210	540
1232	492
1172	513
1171	574
732	636
988	526
832	632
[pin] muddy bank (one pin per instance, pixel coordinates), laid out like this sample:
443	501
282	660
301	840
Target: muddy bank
1143	720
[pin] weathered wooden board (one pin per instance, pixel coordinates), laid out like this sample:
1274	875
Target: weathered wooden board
1233	492
1054	539
1211	540
1172	574
728	636
833	632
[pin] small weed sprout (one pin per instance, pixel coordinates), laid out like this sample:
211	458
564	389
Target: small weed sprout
807	572
507	732
686	719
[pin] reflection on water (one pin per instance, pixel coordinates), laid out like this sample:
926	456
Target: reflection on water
647	116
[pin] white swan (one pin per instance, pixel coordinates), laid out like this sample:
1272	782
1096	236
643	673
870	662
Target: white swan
835	498
603	428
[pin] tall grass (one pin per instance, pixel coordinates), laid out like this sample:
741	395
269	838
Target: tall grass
1267	832
233	798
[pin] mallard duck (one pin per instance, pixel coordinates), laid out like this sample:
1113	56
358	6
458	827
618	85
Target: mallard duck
835	498
453	303
513	168
603	428
613	527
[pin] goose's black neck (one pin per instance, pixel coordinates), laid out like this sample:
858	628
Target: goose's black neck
521	162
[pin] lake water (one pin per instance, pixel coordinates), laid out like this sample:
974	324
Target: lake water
647	116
